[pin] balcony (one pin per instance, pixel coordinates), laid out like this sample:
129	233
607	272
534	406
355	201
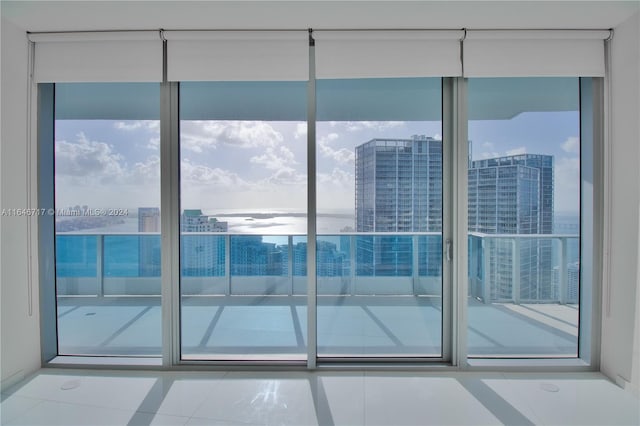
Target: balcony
378	295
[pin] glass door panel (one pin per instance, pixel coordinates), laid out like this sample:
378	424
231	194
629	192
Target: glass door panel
379	217
107	218
243	220
524	217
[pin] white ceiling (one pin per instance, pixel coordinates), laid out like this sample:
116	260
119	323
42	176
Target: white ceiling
264	14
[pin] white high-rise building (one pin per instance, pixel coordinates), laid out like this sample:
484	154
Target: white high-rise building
201	255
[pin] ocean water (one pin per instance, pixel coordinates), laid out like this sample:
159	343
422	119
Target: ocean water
254	224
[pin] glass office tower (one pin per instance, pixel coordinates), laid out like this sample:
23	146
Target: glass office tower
399	189
514	195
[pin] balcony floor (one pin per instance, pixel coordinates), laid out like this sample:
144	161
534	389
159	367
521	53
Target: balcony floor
274	327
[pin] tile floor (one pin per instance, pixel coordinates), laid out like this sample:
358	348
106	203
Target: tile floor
81	397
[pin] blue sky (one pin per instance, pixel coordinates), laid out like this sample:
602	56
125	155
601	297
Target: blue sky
548	133
261	166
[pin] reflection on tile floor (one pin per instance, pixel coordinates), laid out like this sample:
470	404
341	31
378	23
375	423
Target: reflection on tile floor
79	397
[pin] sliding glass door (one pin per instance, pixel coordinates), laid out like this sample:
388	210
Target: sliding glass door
107	218
305	197
379	217
243	220
524	217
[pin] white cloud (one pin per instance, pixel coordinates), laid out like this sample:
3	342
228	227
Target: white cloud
197	136
356	126
341	156
517	151
94	173
487	146
197	174
301	131
88	163
329	138
154	144
147	171
488	151
285	176
151	125
274	159
486	155
249	134
337	177
86	158
571	145
336	190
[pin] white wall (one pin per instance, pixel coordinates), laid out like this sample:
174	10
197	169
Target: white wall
20	348
620	328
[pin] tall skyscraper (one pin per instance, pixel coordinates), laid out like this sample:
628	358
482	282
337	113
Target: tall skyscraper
148	219
514	195
399	189
511	195
202	255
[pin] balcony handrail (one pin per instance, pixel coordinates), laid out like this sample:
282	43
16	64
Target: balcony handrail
234	234
520	236
354	273
331	234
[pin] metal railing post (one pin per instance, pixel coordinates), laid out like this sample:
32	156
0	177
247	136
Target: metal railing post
563	271
227	263
486	269
515	288
290	263
415	273
352	261
100	264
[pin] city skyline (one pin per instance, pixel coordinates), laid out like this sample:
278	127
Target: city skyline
250	225
398	188
244	165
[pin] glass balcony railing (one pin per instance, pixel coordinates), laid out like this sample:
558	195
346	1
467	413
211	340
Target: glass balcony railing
524	268
109	287
502	268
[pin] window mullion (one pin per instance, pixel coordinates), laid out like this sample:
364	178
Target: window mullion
460	164
312	343
170	231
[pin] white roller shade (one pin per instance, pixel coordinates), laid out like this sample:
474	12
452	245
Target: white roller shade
381	54
123	56
237	55
534	53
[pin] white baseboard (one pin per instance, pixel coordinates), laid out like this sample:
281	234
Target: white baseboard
628	386
13	379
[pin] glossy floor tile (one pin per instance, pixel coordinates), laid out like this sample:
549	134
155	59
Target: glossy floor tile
83	397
